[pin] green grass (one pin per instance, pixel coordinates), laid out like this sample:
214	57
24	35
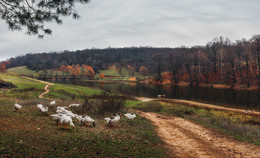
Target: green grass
22	70
110	72
65	92
32	89
132	103
25	88
22	83
28	133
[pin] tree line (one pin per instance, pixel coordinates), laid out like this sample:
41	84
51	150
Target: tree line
220	61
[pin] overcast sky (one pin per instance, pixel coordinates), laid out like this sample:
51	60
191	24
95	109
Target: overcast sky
126	23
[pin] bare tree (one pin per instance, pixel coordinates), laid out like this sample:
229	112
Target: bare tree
256	51
231	59
176	66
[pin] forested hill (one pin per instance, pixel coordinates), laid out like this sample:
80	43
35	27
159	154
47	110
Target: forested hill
220	61
99	59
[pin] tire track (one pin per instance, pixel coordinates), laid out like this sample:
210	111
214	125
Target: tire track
184	139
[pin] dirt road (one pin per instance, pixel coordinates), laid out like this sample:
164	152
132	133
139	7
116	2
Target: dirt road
197	104
185	139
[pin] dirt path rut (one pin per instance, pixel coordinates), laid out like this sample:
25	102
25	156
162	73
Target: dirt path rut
185	139
46	88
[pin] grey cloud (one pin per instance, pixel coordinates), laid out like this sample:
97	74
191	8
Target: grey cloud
117	23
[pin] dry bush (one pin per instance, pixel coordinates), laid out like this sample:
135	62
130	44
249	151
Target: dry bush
102	104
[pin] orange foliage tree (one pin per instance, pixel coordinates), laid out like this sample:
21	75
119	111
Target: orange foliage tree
143	70
76	70
63	69
101	75
3	66
166	77
88	71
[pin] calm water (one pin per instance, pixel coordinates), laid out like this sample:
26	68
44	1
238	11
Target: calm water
223	97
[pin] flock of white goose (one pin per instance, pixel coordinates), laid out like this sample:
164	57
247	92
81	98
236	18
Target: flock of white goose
64	116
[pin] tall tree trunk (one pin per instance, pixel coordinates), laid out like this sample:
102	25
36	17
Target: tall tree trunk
247	74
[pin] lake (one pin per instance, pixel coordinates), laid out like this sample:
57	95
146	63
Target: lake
224	97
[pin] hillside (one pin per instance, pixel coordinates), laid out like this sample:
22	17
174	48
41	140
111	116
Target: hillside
219	62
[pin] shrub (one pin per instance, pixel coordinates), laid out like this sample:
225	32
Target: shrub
103	104
4	84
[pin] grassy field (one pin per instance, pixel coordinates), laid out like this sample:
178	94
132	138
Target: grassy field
22	70
244	127
28	133
70	92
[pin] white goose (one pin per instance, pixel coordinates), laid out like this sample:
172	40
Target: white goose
74	105
62	110
56	118
113	119
44	110
130	116
39	106
52	102
87	119
17	106
66	121
79	117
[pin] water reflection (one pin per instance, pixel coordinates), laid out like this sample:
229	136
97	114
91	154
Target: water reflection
224	97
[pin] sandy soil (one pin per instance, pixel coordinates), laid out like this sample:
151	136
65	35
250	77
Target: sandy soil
47	89
186	139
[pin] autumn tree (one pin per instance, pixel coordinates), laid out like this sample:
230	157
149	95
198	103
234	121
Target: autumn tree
3	66
143	71
63	69
71	71
88	71
33	15
101	75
